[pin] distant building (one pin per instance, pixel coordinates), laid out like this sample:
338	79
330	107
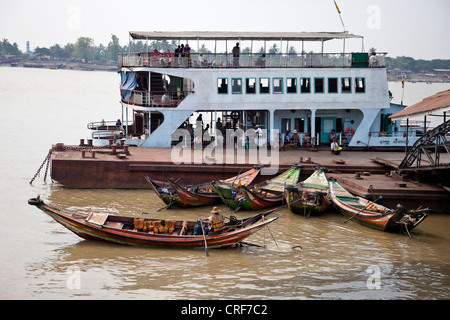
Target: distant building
433	108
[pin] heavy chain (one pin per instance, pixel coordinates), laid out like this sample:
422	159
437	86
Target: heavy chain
71	148
47	159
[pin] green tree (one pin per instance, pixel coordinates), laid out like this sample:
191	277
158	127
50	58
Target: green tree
114	48
69	50
84	48
7	48
42	51
56	51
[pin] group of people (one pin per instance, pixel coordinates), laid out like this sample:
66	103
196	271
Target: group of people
183	56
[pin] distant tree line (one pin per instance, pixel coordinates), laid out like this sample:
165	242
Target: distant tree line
85	49
416	66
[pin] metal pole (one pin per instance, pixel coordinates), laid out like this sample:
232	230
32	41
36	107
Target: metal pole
406	145
424	124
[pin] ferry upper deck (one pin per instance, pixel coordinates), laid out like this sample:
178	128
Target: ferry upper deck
249	58
265	82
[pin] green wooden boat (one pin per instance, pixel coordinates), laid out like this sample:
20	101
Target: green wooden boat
269	194
309	196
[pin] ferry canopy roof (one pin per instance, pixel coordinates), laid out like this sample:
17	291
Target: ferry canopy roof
234	35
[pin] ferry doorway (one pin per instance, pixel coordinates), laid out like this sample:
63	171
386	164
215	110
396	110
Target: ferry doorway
324	126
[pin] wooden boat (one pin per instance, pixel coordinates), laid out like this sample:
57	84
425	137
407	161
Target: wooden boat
269	194
172	193
309	196
165	192
372	214
152	232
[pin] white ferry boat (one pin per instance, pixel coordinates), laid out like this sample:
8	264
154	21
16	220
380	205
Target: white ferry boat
312	95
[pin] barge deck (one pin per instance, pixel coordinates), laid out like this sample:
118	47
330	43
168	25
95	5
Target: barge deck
359	171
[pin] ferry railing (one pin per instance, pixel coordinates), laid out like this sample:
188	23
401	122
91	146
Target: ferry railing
105	129
155	98
245	60
103	125
304	138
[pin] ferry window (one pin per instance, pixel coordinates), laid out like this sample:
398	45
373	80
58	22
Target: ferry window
346	85
318	85
360	85
305	85
332	85
264	85
222	85
250	85
236	85
277	85
291	85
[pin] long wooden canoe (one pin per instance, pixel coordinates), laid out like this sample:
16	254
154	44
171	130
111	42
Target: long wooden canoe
152	232
269	194
174	194
309	196
372	214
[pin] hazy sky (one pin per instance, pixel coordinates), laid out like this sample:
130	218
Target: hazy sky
416	28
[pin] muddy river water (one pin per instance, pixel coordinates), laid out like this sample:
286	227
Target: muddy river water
43	260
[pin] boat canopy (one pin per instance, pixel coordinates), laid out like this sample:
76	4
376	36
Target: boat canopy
231	35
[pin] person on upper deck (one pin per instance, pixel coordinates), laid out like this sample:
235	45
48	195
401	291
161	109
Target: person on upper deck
202	61
177	56
187	55
182	55
236	52
261	62
373	59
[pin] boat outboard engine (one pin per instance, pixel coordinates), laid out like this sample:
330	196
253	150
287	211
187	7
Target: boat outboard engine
401	208
291	188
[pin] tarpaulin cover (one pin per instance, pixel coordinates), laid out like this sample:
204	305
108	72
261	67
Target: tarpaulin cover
127	84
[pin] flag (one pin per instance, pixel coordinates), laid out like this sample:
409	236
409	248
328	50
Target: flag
403	82
337	8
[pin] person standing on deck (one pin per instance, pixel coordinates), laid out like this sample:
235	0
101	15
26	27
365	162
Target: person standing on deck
182	56
236	52
187	55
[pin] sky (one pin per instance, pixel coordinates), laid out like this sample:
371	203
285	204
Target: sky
414	28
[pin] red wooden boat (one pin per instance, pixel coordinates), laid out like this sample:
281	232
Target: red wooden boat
152	232
372	214
177	195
